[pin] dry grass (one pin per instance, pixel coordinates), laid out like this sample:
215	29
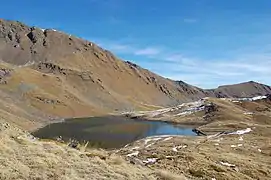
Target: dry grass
166	175
201	157
24	158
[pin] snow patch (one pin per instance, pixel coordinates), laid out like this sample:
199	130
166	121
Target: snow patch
126	145
240	132
175	149
248	113
149	145
162	136
147	140
184	113
196	107
168	138
29	63
134	148
154	138
214	136
182	109
227	164
238	145
28	137
258	98
133	154
248	99
150	160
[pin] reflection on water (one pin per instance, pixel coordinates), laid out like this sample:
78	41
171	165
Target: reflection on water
111	131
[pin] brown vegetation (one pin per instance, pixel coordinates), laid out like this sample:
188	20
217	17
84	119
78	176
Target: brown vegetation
47	75
219	155
57	74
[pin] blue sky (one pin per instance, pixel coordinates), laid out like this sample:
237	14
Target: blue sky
203	42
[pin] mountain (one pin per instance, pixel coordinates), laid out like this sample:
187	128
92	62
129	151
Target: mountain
246	89
47	72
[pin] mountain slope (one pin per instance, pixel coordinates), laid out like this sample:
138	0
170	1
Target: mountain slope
49	72
85	71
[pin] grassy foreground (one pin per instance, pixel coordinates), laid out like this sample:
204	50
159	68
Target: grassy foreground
24	157
236	146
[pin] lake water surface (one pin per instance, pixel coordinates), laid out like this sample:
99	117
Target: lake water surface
110	132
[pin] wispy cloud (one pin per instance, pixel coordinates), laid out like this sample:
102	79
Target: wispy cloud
206	73
179	58
126	48
119	47
148	51
174	58
211	73
116	47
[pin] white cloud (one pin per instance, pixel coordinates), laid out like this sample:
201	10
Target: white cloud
116	47
211	73
148	51
174	58
179	58
206	73
127	48
119	47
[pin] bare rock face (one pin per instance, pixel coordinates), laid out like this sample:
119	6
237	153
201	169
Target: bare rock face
4	74
209	108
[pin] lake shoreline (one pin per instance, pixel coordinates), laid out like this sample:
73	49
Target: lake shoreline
120	129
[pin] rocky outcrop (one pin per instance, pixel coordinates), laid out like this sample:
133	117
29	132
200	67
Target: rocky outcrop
4	73
52	68
268	96
47	100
